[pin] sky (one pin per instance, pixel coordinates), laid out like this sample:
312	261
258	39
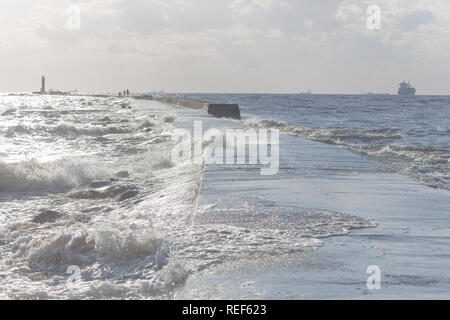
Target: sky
255	46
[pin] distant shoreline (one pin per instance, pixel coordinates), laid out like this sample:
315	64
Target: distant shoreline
109	94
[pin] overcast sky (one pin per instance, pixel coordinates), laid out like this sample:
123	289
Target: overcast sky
225	45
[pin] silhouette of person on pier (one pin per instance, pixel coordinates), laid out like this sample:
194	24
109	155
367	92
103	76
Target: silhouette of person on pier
125	93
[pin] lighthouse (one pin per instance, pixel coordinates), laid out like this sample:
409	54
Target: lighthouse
43	84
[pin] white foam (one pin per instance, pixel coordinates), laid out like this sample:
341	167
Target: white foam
56	175
71	130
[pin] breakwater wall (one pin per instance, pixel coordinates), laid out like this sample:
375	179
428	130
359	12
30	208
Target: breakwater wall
222	110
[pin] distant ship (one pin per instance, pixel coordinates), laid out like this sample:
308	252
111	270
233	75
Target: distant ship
406	89
309	92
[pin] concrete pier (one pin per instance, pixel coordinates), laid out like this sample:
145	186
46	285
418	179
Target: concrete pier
221	110
144	97
193	104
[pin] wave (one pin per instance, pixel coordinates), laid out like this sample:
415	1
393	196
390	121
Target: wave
121	254
17	130
68	173
428	165
170	118
334	136
425	164
71	130
66	130
58	175
65	249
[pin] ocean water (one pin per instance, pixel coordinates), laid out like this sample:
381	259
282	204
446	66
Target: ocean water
89	184
410	134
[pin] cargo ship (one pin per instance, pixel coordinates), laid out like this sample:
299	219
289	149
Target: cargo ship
406	89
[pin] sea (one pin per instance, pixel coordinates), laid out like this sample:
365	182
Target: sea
93	204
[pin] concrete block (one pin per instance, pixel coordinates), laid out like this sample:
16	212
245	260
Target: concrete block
223	110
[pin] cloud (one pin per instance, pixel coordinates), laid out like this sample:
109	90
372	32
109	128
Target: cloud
153	16
290	16
411	21
201	45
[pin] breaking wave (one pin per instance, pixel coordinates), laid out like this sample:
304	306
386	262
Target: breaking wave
57	175
333	136
65	249
426	164
71	130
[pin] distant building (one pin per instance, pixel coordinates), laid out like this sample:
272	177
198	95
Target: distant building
52	92
43	84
